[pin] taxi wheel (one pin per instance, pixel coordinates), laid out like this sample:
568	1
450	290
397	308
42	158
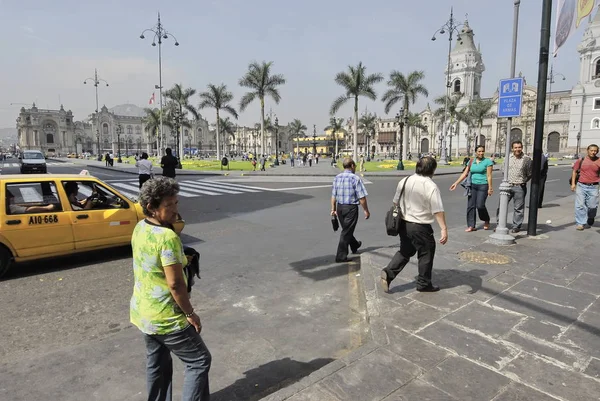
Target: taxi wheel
5	260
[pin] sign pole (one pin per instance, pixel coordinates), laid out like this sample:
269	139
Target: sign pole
501	236
539	117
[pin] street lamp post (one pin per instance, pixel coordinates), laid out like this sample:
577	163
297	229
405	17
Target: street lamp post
400	122
551	77
276	142
578	143
96	82
159	34
451	27
119	132
315	139
501	236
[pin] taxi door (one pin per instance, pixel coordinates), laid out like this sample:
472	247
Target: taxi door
109	223
30	229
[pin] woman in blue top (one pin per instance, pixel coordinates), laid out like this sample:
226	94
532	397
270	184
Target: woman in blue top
480	170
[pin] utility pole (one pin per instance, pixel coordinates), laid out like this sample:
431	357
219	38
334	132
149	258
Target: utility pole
539	117
501	236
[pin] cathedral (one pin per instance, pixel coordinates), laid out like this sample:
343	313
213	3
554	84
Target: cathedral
572	119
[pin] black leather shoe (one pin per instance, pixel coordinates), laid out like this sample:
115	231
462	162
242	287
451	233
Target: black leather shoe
429	288
516	230
355	251
590	222
385	281
345	260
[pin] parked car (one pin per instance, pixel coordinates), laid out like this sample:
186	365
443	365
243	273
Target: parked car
37	219
33	161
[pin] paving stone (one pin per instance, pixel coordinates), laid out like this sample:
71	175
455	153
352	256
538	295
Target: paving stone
552	379
519	392
554	275
444	300
469	345
465	380
371	378
543	330
595	308
549	349
552	293
315	392
584	334
478	290
413	316
593	369
484	318
587	282
421	391
542	310
416	350
508	279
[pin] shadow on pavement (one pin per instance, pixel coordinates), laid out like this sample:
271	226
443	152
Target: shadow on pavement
325	267
61	263
448	278
267	379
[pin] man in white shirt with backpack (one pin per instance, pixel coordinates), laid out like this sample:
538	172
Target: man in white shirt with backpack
420	201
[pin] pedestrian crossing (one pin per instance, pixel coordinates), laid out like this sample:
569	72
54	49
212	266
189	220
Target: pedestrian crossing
191	188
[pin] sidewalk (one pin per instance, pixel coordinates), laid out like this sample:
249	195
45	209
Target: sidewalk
510	323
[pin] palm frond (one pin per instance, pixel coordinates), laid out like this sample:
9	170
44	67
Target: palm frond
247	99
338	103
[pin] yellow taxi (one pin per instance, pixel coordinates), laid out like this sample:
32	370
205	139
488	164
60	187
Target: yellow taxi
41	216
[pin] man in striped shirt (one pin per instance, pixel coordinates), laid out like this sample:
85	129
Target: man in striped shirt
347	193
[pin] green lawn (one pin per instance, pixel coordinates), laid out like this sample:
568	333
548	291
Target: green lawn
204	165
390	165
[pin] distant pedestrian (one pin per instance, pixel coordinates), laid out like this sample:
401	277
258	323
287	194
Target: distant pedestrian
317	158
421	204
107	159
144	168
304	159
480	172
263	161
519	173
292	159
347	193
310	159
160	306
362	164
543	178
586	188
169	163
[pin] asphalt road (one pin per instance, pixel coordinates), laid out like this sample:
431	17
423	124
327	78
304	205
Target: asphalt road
274	305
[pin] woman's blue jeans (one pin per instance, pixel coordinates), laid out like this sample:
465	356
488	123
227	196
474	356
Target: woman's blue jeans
479	194
188	346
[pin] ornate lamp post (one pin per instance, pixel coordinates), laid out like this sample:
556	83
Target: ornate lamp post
451	27
276	142
96	81
401	119
551	77
119	132
159	34
578	143
314	139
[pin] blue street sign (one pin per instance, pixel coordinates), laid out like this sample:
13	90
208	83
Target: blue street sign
510	97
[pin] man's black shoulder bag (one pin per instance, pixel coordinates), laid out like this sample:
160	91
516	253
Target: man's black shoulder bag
393	217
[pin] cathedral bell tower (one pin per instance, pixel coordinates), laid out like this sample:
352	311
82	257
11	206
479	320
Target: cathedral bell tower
466	67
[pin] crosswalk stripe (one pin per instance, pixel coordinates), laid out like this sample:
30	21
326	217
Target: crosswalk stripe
135	188
244	186
211	188
190	188
228	185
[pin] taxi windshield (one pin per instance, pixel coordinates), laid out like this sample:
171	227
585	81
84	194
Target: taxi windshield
33	156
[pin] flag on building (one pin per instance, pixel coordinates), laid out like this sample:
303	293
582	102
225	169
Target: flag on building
152	99
569	14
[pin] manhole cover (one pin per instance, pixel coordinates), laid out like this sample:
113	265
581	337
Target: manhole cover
486	258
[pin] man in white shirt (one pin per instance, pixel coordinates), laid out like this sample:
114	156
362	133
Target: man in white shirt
421	204
144	168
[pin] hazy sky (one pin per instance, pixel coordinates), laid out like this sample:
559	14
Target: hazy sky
50	47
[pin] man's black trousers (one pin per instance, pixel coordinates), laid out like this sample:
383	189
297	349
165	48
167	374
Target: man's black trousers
414	239
348	217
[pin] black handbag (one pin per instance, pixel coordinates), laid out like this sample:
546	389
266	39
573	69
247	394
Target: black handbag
393	218
577	172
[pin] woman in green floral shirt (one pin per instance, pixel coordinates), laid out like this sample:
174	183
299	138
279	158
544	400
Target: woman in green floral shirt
160	306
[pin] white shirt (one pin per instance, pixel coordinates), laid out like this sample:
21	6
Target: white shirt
421	199
144	166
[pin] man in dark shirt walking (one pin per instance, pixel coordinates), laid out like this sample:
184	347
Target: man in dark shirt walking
347	193
169	163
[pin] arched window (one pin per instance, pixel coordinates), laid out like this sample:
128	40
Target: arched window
457	86
129	130
105	129
596	123
597	69
49	138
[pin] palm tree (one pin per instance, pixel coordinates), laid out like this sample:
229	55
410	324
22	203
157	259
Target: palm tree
260	82
356	83
414	121
152	122
451	112
367	124
227	128
479	110
405	88
336	125
297	129
181	97
218	98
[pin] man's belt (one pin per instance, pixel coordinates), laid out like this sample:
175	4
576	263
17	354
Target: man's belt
590	184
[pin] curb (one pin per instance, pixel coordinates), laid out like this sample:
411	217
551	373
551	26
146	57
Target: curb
135	172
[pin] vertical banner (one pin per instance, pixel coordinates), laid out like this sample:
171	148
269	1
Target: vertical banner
569	15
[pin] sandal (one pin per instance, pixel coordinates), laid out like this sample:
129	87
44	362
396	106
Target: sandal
486	225
470	229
